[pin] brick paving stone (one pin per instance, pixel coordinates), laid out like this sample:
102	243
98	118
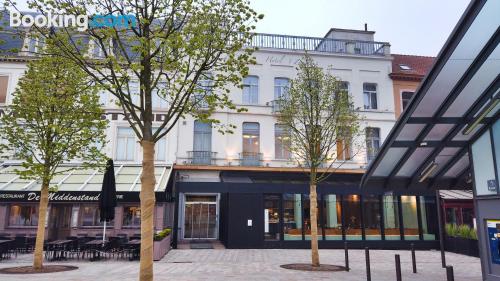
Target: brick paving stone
261	264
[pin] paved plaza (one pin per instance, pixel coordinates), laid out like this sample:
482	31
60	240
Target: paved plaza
260	265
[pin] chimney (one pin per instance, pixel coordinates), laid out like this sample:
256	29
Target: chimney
366	27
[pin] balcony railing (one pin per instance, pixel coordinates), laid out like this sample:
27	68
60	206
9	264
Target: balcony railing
202	157
318	44
276	105
250	158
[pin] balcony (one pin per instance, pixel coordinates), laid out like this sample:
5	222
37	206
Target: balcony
318	44
202	157
276	106
250	158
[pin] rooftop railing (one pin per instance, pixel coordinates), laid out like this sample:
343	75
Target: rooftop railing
317	44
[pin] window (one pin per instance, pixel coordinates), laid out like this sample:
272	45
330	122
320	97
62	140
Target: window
292	216
96	50
135	92
352	217
307	218
158	95
281	142
251	90
90	216
103	97
391	218
343	145
161	148
281	88
202	143
23	215
428	216
370	95
484	169
405	98
333	217
372	216
404	67
271	217
132	216
372	142
4	85
251	144
410	220
125	144
34	43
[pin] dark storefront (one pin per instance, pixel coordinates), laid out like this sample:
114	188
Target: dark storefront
261	213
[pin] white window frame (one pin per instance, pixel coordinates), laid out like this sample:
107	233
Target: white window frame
253	99
370	96
128	138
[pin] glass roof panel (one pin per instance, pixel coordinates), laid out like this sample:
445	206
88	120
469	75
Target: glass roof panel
459	167
480	31
438	132
389	161
476	86
410	132
441	87
443	158
415	160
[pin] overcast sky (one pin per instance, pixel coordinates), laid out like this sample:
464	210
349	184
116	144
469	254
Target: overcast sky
416	27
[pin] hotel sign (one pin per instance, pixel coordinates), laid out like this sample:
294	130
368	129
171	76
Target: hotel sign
71	196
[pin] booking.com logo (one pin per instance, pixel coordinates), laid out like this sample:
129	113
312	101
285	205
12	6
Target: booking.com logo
80	22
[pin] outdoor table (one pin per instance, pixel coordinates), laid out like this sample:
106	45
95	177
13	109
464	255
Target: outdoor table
96	246
134	246
4	248
58	249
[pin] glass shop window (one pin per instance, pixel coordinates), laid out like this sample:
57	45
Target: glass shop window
332	211
410	220
428	215
352	217
23	215
307	218
132	216
292	216
372	217
272	217
91	216
391	218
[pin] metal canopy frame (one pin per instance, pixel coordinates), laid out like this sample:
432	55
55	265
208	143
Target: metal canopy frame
449	142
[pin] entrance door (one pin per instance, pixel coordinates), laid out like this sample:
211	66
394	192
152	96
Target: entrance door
59	221
200	217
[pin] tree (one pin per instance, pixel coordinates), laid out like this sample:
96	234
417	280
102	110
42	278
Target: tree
168	47
320	119
55	117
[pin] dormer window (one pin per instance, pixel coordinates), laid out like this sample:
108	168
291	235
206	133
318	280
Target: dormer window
405	67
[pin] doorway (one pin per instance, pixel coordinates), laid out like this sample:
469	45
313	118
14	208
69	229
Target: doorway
201	216
59	221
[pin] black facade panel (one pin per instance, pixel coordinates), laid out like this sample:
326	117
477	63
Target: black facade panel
242	208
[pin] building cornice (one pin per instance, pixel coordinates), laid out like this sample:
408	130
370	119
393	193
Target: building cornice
261	169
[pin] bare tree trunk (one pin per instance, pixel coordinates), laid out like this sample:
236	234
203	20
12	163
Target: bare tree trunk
40	233
314	224
148	182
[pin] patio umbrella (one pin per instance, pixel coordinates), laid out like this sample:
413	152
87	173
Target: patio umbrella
107	199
